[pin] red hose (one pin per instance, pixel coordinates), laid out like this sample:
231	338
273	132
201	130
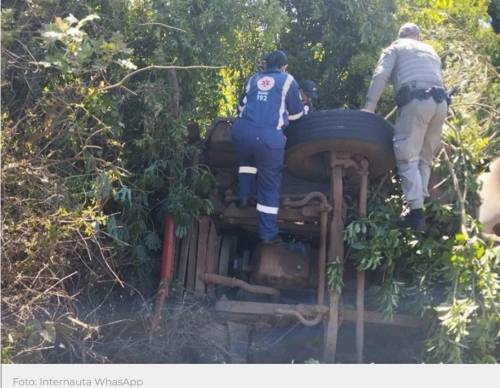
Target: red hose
166	271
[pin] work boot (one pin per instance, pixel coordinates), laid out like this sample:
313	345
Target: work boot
414	220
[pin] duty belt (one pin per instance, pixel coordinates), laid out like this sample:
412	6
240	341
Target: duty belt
406	94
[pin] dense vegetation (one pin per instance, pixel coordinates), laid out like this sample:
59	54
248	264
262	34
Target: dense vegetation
97	102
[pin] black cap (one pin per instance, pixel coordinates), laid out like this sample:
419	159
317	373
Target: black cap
276	59
309	88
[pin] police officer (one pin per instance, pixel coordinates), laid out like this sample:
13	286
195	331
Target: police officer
414	69
271	98
308	92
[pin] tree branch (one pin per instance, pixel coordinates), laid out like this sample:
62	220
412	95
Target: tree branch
162	25
456	186
158	67
391	112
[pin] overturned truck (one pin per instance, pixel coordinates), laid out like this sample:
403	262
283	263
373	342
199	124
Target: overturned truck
329	153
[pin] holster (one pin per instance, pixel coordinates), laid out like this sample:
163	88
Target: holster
439	94
406	94
403	96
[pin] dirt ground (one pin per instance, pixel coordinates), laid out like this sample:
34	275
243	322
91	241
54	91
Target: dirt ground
192	332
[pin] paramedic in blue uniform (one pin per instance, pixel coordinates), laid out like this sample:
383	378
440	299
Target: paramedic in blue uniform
270	100
308	92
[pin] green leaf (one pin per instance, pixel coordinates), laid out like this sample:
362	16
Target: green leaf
152	241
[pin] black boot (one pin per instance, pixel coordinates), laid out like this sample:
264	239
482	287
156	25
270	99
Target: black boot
414	220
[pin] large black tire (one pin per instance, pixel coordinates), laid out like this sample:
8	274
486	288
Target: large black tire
362	134
219	149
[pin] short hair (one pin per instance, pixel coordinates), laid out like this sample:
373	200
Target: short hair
408	30
276	59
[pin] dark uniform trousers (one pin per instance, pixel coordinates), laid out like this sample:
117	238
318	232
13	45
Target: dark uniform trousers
261	152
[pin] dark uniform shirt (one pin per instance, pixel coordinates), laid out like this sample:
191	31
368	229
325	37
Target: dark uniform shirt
271	99
308	107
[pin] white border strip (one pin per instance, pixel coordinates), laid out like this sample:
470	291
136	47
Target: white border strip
267	209
296	116
247	170
224	375
284	92
247	89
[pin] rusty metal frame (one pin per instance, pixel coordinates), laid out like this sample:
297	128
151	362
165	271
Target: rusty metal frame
339	161
233	214
294	208
336	248
310	208
360	277
212	278
324	209
259	308
348	314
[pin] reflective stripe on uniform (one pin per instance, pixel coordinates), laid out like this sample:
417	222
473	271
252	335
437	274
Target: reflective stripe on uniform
284	92
247	89
267	209
295	117
247	170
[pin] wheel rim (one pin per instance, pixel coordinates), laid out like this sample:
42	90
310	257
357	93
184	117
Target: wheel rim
309	160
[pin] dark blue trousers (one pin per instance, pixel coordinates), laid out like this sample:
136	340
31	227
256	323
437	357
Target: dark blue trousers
261	152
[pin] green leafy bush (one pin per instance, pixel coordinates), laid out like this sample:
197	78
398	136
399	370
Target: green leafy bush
97	110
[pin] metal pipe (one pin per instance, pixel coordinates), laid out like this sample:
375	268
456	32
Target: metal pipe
336	249
166	271
346	314
308	322
363	190
212	278
308	198
360	315
335	253
360	277
332	328
322	257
